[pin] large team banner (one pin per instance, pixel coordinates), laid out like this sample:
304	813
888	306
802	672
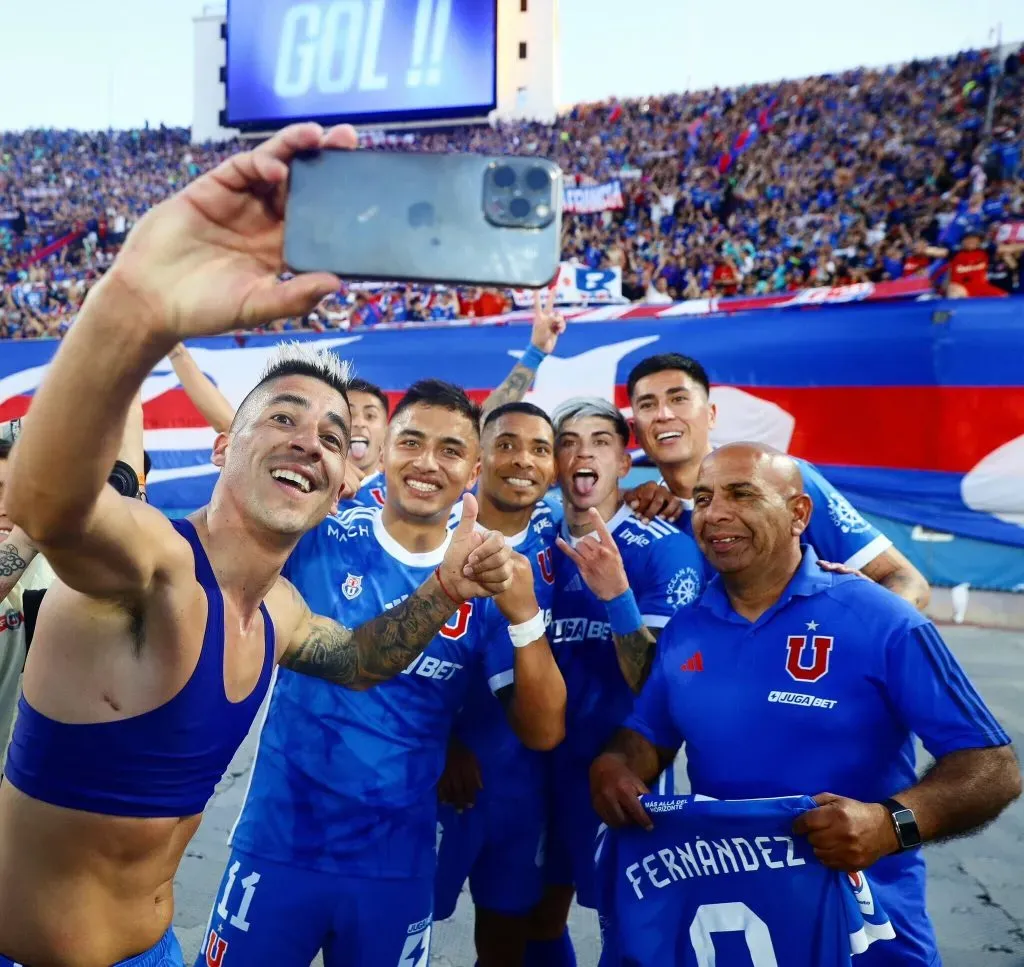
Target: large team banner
915	410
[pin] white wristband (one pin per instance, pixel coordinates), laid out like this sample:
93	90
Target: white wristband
528	632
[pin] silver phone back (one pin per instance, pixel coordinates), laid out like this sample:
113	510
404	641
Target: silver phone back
412	216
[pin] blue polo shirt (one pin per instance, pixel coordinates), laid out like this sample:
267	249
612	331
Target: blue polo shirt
824	692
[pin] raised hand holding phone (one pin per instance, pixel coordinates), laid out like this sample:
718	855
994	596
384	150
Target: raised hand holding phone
207	260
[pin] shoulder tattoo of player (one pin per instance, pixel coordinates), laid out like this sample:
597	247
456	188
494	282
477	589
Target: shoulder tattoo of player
11	561
375	651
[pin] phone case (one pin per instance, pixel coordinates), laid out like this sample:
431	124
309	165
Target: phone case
380	215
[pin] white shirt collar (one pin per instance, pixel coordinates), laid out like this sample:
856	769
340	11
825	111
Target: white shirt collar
409	558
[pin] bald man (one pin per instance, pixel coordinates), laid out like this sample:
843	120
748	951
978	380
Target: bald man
783	680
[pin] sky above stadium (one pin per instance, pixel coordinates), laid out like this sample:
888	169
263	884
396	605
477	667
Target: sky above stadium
119	63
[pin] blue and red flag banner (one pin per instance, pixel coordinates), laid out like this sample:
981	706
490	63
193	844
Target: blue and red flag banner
914	409
694	129
764	117
745	139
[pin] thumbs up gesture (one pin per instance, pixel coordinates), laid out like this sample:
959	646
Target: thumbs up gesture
477	564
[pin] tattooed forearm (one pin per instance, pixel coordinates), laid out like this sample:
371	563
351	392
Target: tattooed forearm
11	561
375	651
635	652
512	390
14	558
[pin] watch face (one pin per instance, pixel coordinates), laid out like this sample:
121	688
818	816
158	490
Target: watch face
907	826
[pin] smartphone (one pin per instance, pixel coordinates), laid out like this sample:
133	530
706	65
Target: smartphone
462	218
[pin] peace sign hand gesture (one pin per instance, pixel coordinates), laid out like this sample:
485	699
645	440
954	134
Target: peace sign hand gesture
548	324
207	260
598	559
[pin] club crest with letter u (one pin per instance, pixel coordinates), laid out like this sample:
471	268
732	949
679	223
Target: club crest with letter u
352	586
807	656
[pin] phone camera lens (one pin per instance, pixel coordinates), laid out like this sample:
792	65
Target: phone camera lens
504	177
537	179
519	207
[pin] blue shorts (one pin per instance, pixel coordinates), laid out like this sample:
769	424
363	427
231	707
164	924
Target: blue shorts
166	953
498	845
573	828
270	915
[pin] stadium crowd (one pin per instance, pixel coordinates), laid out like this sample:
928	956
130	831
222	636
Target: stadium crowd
867	175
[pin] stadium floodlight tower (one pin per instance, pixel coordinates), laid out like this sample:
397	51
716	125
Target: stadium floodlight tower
383	64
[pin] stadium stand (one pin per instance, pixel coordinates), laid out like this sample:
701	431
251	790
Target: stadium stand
868	175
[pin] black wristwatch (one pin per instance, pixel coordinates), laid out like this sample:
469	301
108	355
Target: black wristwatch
905	824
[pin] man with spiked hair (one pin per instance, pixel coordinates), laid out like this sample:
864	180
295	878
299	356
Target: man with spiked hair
154	650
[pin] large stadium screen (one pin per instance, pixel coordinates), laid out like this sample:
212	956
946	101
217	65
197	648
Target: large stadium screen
367	61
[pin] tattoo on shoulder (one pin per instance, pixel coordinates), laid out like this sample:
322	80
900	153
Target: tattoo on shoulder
375	651
11	561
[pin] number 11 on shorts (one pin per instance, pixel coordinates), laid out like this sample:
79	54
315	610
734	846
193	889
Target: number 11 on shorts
248	885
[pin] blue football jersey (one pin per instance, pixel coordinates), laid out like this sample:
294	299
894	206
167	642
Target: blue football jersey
665	572
482	724
824	692
728	883
837	531
344	781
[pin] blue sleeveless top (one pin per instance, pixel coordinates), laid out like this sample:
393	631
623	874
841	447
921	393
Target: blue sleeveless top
163	763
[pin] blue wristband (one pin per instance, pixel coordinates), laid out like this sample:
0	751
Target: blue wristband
532	358
623	614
